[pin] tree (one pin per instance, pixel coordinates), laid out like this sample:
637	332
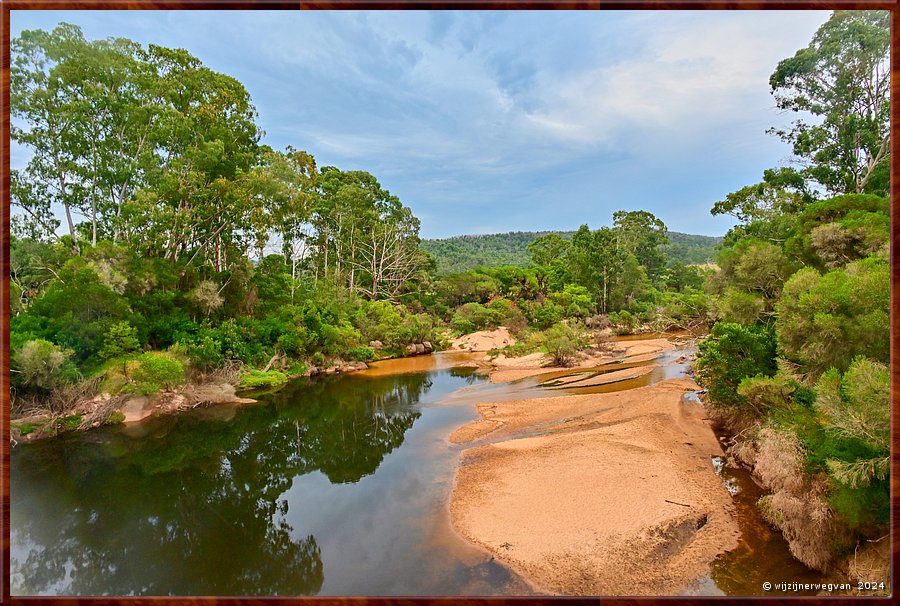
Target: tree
366	238
121	340
842	78
760	202
43	365
642	234
41	97
564	342
548	248
594	262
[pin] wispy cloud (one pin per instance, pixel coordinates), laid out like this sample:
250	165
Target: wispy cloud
528	120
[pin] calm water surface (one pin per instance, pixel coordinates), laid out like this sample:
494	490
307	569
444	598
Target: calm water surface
333	486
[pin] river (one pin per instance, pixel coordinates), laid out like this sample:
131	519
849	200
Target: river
331	486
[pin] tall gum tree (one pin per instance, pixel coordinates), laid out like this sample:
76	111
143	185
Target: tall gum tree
842	79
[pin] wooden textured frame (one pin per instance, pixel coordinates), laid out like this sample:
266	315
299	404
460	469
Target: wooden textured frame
7	5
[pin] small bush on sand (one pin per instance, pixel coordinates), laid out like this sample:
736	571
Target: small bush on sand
563	343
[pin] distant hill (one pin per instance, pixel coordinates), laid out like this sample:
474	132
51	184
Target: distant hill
462	253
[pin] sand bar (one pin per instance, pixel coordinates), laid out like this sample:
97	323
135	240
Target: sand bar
599	494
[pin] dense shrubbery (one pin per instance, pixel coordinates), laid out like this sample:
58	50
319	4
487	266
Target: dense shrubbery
801	349
157	371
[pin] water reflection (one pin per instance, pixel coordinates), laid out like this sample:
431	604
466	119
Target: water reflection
196	506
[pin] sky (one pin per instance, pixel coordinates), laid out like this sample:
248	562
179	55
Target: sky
493	121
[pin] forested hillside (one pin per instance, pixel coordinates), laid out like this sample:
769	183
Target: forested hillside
463	253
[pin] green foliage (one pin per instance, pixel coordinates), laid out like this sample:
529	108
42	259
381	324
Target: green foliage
521	249
866	508
575	300
363	353
70	423
563	342
730	354
115	417
841	78
205	353
741	307
824	321
642	234
684	308
474	316
79	311
121	340
41	365
464	253
857	407
26	428
156	371
394	325
543	315
528	342
831	233
258	379
756	267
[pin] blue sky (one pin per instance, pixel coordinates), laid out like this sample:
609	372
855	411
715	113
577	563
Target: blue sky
486	122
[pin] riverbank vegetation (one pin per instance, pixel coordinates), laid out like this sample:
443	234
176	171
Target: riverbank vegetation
797	364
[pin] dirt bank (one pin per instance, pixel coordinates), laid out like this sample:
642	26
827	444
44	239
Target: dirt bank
601	494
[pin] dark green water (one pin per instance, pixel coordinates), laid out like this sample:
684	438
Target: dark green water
336	486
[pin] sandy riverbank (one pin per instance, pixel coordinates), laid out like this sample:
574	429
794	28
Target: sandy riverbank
599	494
513	369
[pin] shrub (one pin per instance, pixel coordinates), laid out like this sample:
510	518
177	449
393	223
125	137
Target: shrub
338	339
70	423
260	379
206	353
730	354
511	316
575	300
295	340
363	353
44	366
207	297
157	371
563	343
546	314
474	316
824	321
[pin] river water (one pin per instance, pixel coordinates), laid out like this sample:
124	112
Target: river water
331	486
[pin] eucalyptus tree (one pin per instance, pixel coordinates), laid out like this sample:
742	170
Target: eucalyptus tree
842	79
148	144
642	234
46	120
365	238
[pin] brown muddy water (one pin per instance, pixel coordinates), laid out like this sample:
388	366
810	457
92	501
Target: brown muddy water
332	486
